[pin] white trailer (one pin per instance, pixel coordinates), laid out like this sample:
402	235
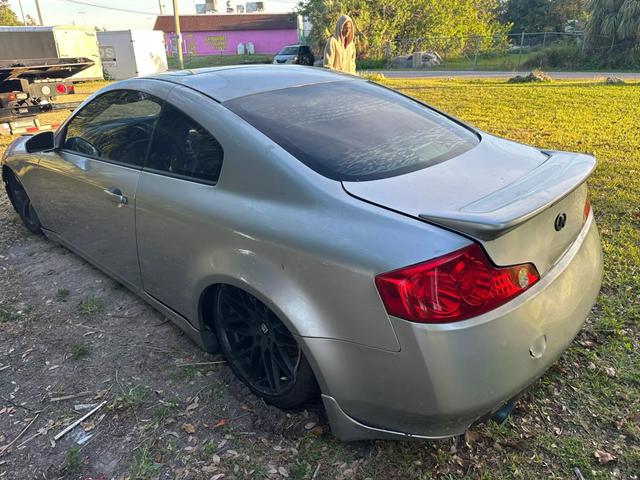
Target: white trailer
132	53
27	43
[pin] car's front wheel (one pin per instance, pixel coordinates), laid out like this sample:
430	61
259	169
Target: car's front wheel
22	204
261	350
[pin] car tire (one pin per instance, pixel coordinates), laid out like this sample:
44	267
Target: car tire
261	351
22	204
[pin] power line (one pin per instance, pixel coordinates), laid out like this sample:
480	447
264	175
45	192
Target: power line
106	7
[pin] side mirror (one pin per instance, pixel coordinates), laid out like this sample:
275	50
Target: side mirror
40	142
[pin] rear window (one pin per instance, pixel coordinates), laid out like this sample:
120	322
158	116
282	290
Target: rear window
354	130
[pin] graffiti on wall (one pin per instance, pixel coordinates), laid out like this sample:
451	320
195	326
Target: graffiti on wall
216	42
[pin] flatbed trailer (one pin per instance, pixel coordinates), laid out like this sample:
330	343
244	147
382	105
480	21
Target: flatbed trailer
28	88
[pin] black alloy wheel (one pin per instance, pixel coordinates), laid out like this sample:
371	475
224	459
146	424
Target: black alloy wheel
260	349
22	204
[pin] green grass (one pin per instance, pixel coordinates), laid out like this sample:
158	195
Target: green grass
201	61
79	350
7	315
62	295
72	461
91	305
132	398
143	467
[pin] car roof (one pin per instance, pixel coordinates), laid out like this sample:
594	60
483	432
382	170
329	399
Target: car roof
227	83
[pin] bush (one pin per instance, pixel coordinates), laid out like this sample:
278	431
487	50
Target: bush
371	64
561	55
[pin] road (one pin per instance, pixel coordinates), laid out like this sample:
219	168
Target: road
504	74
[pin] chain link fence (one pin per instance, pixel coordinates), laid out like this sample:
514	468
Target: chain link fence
513	52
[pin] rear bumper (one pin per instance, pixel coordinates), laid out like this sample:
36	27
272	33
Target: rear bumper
447	376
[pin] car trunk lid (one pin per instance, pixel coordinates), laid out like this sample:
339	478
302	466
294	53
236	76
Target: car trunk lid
522	204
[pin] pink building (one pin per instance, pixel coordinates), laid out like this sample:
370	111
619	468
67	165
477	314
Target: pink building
221	34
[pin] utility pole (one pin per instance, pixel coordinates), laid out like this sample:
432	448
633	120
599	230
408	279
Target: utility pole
160	6
176	19
24	22
39	12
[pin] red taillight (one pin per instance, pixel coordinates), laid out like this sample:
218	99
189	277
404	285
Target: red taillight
454	287
60	88
70	89
586	210
11	97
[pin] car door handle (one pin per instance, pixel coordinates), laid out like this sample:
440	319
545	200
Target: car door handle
116	195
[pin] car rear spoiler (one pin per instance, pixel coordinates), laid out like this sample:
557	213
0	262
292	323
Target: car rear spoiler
511	206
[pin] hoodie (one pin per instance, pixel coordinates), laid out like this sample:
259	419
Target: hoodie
336	55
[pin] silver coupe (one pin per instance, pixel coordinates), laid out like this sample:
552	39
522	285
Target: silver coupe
330	236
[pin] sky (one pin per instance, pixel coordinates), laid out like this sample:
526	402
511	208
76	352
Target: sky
78	12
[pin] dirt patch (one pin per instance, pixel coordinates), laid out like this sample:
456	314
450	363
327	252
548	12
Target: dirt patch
72	338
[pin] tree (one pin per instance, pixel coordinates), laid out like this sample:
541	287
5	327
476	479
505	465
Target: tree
407	25
542	15
613	21
7	16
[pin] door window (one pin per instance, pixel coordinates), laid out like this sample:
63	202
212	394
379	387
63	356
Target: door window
115	126
183	148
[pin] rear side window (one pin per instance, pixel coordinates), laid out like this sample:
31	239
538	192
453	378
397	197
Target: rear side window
115	126
354	130
183	148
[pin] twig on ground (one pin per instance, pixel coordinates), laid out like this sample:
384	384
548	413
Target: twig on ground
198	364
8	446
16	404
315	473
40	432
578	473
69	397
78	421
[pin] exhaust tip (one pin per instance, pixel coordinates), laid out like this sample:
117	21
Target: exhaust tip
501	415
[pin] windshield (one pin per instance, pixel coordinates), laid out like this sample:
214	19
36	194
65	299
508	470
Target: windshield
288	51
354	130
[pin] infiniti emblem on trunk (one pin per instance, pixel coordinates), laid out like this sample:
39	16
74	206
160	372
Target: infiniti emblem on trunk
560	222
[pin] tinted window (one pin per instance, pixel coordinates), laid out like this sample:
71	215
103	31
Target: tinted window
353	131
182	147
304	50
289	51
115	126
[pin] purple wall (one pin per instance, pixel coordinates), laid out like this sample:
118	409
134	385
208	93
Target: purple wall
265	42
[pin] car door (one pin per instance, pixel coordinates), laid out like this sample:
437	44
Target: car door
177	200
90	181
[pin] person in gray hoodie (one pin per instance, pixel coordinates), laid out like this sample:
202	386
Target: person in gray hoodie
340	50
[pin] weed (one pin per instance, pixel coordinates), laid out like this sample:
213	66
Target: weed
143	467
91	305
72	461
133	398
62	295
7	315
79	350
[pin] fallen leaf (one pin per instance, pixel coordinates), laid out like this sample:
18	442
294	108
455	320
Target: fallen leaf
215	459
603	457
217	476
309	425
189	428
283	471
471	437
88	425
610	371
221	423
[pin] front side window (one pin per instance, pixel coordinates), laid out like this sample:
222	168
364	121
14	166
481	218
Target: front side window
183	148
115	126
354	130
